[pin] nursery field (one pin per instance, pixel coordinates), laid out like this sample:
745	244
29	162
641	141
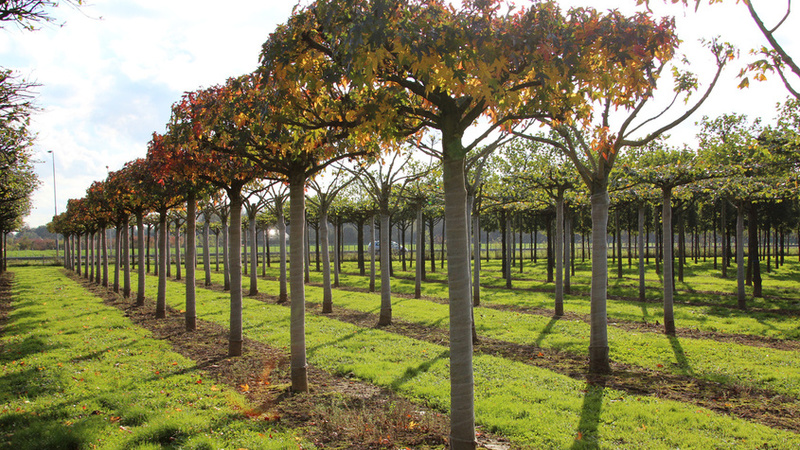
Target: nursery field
728	378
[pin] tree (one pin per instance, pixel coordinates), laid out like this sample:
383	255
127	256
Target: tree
28	14
592	138
325	196
667	168
194	119
385	183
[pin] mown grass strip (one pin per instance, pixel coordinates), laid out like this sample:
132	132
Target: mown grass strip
77	374
534	407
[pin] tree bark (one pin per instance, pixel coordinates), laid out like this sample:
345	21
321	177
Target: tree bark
105	256
253	256
236	338
462	416
666	218
559	253
126	272
177	249
191	254
226	256
476	260
420	255
740	294
141	267
298	296
752	228
206	249
163	260
283	295
598	335
640	243
372	254
327	294
385	317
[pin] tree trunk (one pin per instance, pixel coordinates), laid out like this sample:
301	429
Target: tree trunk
283	295
476	259
618	239
723	231
89	272
147	246
327	294
236	338
177	250
666	218
207	250
752	228
307	254
462	416
226	256
126	269
509	249
433	246
141	268
385	317
598	335
559	253
104	243
420	254
336	252
372	254
740	294
191	254
253	256
163	260
569	261
117	261
297	324
640	243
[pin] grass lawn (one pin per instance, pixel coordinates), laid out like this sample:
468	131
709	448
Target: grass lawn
77	374
532	406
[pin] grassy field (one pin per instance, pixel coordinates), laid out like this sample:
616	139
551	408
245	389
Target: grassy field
77	374
532	406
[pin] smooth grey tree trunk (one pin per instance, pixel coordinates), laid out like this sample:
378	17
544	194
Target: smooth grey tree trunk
567	251
105	256
419	265
598	334
372	254
283	295
476	259
307	254
226	253
235	338
640	244
666	237
297	324
163	260
177	250
206	250
126	267
385	317
327	294
79	256
253	256
191	255
336	253
559	250
740	293
462	407
117	261
89	275
141	266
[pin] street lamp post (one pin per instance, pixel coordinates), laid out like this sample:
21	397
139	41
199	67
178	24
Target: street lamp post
55	200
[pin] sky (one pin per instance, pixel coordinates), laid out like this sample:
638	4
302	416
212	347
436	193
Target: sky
110	71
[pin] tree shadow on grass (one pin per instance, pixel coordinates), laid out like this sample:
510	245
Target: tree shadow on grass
412	372
680	356
586	436
546	331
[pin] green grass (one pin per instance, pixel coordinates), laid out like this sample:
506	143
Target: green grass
534	407
723	362
77	374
